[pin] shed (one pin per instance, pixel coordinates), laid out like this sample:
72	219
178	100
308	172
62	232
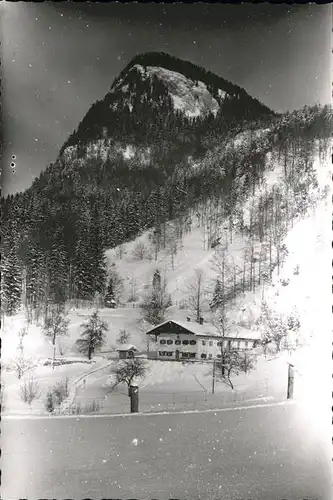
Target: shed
126	351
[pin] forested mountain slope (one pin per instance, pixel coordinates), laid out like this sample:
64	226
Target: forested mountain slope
146	155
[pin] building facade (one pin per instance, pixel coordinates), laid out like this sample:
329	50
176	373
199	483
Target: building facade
188	340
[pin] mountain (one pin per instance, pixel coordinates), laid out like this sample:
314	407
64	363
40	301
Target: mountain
169	142
159	93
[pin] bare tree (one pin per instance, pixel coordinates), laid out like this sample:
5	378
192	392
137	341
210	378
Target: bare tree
21	365
123	337
171	244
233	365
224	267
30	390
274	327
140	251
55	325
196	293
128	370
133	296
223	328
232	361
155	305
62	348
119	252
22	333
246	361
155	239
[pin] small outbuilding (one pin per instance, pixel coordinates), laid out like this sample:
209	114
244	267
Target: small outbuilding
126	351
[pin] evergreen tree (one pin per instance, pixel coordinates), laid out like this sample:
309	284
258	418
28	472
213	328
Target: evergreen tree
157	302
93	335
157	281
110	296
83	270
11	285
218	298
114	289
58	271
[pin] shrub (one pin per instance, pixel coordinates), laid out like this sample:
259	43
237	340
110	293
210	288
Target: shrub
296	270
21	365
60	390
92	407
49	402
30	390
285	282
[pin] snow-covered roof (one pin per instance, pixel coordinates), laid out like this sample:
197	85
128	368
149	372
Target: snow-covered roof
205	330
127	347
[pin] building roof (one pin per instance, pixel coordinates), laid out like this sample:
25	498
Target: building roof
126	347
204	330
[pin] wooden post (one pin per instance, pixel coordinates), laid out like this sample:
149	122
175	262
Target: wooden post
213	381
54	353
134	395
290	390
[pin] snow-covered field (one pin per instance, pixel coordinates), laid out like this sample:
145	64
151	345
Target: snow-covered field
45	378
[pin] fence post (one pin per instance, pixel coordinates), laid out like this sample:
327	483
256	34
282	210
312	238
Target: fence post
290	390
134	395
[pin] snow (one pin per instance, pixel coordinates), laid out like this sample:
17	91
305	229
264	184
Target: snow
126	347
308	292
307	243
187	96
246	137
103	149
46	377
129	152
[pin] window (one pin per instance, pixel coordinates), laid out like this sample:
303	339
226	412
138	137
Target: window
192	354
193	342
210	343
184	354
219	343
203	342
210	356
238	344
169	353
219	356
162	341
161	353
178	342
185	342
246	345
169	342
203	356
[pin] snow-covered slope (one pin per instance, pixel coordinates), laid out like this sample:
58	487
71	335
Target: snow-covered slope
296	285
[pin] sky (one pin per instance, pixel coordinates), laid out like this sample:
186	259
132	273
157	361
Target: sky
60	57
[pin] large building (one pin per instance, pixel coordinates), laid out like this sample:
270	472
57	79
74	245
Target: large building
178	340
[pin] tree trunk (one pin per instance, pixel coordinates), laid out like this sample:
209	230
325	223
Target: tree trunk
229	380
